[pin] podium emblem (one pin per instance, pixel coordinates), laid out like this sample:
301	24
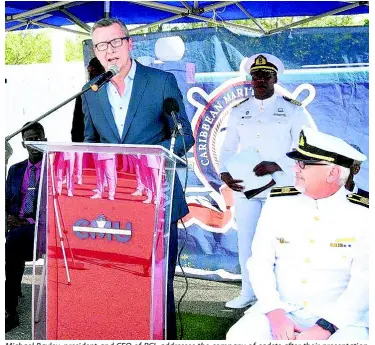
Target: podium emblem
102	227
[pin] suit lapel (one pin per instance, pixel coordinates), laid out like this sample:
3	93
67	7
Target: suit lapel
20	173
139	85
106	107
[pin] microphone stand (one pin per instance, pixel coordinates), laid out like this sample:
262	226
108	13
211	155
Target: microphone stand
9	151
176	130
8	148
47	113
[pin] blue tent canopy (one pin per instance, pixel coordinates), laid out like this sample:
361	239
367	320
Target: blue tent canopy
33	14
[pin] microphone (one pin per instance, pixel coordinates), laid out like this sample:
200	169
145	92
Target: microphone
172	108
105	78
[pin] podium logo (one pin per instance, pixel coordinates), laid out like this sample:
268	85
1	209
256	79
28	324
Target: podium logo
102	228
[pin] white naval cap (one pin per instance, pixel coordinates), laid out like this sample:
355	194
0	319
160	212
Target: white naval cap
318	146
264	61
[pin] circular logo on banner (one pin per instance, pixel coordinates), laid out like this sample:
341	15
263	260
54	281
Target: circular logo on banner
210	124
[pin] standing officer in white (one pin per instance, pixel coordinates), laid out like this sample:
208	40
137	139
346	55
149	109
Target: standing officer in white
270	124
310	254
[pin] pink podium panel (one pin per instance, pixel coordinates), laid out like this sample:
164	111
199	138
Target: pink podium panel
106	243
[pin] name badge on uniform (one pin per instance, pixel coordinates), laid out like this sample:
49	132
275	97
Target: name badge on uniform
280	112
343	242
247	116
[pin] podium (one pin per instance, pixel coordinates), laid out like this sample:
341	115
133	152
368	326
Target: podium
102	232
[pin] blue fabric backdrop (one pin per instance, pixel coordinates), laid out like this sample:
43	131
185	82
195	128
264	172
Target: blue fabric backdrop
333	60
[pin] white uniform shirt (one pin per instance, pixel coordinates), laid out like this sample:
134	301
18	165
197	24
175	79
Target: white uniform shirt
120	104
271	126
311	256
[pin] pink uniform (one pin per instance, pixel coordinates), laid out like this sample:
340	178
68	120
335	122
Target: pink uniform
105	166
65	164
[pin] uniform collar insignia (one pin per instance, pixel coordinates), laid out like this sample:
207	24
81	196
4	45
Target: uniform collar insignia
301	140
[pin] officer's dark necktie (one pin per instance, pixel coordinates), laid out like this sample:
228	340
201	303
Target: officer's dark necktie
29	204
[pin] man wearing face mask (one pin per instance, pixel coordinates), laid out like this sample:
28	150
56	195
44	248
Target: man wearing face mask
269	125
21	193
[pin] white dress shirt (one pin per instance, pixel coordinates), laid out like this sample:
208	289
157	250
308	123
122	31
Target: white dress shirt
120	104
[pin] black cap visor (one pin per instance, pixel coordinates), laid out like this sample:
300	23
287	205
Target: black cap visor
298	156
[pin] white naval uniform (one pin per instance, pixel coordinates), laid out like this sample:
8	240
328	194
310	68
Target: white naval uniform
271	126
310	258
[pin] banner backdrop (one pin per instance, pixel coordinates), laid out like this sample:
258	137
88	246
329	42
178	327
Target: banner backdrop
326	70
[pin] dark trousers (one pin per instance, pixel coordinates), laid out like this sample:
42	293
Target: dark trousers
172	259
18	249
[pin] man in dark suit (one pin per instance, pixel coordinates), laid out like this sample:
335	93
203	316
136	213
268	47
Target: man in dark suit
21	193
129	110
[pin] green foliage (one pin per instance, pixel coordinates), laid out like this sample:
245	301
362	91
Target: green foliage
29	47
74	49
330	21
267	23
23	48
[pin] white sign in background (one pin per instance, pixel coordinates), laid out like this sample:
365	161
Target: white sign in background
32	90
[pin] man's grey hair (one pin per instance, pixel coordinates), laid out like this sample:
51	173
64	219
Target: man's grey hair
104	22
344	174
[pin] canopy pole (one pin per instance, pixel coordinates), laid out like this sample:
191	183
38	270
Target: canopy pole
39	10
251	17
72	17
310	19
160	6
187	6
49	26
25	22
163	21
226	24
218	5
107	9
76	20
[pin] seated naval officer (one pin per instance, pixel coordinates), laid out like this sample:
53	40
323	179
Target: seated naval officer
309	263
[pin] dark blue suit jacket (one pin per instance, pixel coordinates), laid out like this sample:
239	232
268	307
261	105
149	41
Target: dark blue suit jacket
145	121
13	187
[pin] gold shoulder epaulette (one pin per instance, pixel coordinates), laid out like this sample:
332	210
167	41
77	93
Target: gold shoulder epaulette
246	99
281	191
293	101
358	199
